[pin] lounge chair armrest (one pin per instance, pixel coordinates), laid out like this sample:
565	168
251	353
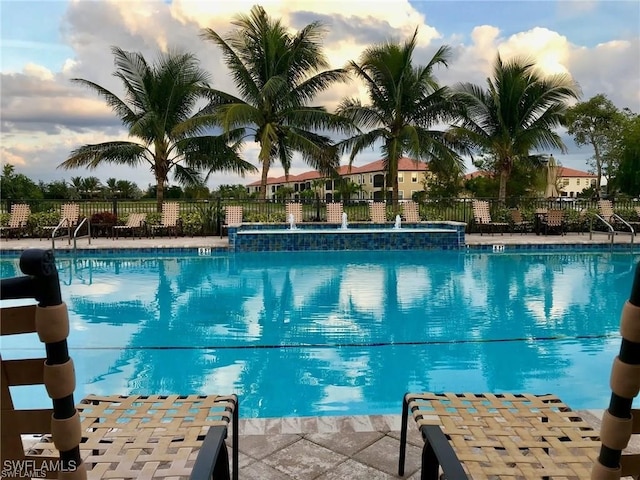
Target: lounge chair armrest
213	459
438	452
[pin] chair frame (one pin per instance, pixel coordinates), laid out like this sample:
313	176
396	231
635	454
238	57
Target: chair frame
554	220
170	219
294	209
378	212
232	217
411	212
482	218
121	436
135	222
517	435
334	212
18	220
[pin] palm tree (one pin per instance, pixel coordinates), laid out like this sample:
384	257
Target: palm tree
157	110
406	101
277	74
515	115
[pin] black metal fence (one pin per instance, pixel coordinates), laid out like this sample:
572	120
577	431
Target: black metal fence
207	216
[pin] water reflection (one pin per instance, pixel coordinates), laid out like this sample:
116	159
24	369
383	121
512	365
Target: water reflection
346	332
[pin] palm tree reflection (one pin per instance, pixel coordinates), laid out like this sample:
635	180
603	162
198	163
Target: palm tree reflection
339	329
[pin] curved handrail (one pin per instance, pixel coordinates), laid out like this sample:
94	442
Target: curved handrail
75	233
612	230
55	230
622	220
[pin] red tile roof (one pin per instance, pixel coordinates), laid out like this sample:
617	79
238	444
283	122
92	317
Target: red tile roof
404	164
572	172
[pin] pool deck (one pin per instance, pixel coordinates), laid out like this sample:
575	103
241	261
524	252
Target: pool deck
329	448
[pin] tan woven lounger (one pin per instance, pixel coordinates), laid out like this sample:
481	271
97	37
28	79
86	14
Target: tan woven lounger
115	437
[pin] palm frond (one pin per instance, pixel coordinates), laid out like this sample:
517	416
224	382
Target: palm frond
93	155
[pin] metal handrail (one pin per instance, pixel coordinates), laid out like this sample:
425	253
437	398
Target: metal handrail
612	230
55	230
75	233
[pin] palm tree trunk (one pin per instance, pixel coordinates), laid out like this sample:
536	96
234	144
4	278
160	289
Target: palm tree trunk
263	179
502	193
159	193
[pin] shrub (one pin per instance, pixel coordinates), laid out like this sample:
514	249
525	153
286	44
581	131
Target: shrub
104	218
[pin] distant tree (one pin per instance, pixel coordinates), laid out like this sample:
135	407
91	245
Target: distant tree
198	192
596	123
232	191
158	110
277	74
16	186
515	115
284	193
628	176
128	189
405	103
174	192
57	189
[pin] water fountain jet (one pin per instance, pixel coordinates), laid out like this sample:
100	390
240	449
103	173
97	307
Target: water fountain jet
396	226
292	222
345	223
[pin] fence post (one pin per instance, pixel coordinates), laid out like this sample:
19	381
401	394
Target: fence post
218	216
114	206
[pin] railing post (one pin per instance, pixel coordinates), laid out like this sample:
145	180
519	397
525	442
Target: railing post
114	206
218	215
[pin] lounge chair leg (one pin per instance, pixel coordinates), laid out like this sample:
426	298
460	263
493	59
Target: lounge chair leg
234	436
430	463
403	436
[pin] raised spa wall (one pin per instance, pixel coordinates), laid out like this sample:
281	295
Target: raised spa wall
261	237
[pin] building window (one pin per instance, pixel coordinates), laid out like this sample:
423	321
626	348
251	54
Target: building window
414	177
565	182
577	181
593	182
371	178
400	177
400	195
273	189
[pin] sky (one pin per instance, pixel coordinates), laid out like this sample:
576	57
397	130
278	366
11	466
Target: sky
45	43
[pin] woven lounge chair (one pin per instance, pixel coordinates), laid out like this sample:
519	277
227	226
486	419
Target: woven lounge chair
69	217
410	211
531	436
135	223
124	437
170	222
294	209
607	214
554	221
334	212
620	421
482	218
232	217
17	221
378	212
518	222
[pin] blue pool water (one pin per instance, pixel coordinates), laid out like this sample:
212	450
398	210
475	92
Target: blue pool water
332	333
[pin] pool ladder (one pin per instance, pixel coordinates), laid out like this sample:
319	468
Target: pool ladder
612	231
75	233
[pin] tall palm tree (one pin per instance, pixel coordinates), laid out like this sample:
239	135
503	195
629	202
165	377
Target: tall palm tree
277	74
405	103
515	115
158	110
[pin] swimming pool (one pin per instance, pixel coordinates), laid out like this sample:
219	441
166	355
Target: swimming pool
333	333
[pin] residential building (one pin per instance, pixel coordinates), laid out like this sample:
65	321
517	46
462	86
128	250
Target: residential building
571	182
370	178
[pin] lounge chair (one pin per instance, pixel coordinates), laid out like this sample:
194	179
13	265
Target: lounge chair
69	217
378	212
410	212
482	218
620	421
232	217
294	209
126	437
530	436
518	223
135	223
170	219
607	214
17	221
554	221
334	212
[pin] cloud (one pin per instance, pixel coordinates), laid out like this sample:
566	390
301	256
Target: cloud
45	115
